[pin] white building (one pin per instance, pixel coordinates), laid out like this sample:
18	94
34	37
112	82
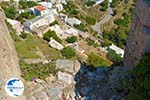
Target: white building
54	44
58	31
47	5
64	33
59	1
72	31
118	50
40	24
59	7
72	21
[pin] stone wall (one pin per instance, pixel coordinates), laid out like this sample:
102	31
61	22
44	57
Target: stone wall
138	39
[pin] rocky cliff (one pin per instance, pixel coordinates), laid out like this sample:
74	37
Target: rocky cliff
138	41
9	67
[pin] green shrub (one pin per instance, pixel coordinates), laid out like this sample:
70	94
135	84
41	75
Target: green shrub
53	23
23	35
90	20
96	61
115	58
90	2
10	12
106	43
52	34
81	27
38	70
104	5
115	3
68	52
71	39
91	42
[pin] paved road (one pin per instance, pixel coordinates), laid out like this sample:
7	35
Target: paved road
97	26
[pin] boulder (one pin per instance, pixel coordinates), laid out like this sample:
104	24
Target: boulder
55	93
41	95
65	77
68	65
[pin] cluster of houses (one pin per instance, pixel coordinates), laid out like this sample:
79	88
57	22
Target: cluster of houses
46	13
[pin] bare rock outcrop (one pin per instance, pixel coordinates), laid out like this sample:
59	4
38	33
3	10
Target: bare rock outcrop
9	67
138	41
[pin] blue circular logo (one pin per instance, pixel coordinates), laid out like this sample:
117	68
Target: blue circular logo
14	87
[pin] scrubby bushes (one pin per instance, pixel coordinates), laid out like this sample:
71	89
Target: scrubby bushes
68	52
96	61
90	20
50	34
71	39
37	70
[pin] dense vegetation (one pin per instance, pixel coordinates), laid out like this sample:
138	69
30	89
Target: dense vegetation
50	34
119	32
91	42
104	5
25	15
137	86
115	58
26	4
39	70
68	52
10	12
89	2
96	61
71	9
81	27
90	20
71	39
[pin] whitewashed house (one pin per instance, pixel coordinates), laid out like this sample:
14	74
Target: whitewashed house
72	21
72	31
40	24
59	7
54	44
118	50
47	5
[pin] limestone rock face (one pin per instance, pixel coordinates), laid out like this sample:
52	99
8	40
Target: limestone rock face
9	67
139	35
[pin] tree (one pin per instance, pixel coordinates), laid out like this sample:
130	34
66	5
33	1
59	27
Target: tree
68	52
31	4
52	34
106	43
90	20
23	4
81	27
114	3
104	5
90	2
71	39
10	12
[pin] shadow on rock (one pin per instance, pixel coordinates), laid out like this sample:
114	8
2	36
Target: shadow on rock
93	84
